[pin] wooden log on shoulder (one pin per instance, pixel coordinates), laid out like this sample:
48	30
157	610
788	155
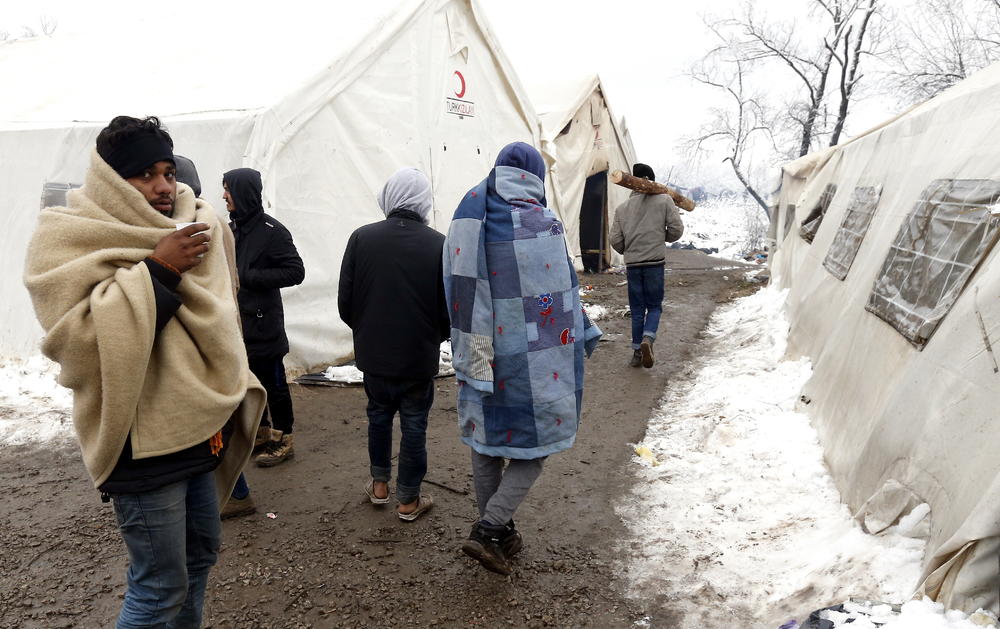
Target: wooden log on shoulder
651	187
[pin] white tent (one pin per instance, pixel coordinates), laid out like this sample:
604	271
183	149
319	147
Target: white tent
582	142
325	99
896	301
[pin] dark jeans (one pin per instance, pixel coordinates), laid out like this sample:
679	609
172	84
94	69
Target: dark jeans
172	535
412	399
645	300
271	373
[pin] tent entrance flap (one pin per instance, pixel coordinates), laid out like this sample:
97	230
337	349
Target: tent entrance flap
594	224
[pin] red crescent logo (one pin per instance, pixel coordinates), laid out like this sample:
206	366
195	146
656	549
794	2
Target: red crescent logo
461	92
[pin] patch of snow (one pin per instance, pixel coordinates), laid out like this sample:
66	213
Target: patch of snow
916	614
33	407
733	226
741	519
596	312
350	374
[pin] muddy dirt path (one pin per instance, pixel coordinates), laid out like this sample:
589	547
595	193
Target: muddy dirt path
330	559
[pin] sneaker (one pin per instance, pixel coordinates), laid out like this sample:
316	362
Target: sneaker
512	542
636	359
484	546
277	451
238	507
263	437
646	349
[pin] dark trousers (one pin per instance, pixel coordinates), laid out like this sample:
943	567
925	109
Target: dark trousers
645	300
413	400
271	373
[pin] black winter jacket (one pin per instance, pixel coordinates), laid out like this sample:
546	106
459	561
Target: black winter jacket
266	261
392	297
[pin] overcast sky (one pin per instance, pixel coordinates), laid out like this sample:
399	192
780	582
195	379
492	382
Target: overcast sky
642	50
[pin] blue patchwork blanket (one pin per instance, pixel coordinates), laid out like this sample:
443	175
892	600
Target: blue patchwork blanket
519	333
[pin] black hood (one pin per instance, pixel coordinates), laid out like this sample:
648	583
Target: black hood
244	187
187	173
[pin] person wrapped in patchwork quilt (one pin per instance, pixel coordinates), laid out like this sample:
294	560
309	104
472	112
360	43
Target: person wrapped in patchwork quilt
519	336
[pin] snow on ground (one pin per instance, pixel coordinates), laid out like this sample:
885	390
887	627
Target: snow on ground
733	226
350	374
735	520
917	614
33	408
596	312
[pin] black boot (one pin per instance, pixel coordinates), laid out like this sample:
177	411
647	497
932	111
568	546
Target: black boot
636	359
511	542
484	545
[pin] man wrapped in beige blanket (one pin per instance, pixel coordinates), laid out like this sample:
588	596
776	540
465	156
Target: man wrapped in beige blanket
140	315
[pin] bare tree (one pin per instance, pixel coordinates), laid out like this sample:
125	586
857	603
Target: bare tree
842	41
938	43
744	118
48	24
850	64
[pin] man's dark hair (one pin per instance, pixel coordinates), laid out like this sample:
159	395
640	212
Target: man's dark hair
644	171
123	129
130	144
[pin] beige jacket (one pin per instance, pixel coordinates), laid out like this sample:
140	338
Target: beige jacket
641	226
95	301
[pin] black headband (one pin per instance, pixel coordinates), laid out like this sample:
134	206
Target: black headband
139	153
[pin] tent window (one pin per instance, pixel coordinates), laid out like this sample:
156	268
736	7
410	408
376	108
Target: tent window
852	230
54	194
789	219
812	222
950	230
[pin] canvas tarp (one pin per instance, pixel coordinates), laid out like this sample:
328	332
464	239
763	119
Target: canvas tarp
580	138
326	101
908	420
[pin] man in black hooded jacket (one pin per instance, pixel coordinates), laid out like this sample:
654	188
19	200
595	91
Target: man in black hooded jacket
266	260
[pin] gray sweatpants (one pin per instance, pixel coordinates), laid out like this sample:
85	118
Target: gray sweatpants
500	491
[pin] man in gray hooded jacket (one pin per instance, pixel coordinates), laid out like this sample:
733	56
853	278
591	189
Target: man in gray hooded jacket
642	226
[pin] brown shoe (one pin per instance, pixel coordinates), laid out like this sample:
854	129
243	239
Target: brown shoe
646	349
263	437
484	545
277	451
238	507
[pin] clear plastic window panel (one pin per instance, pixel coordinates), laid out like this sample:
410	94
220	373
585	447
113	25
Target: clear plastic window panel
812	222
789	219
853	228
54	193
951	228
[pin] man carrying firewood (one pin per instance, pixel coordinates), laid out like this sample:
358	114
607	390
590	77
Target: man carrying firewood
642	226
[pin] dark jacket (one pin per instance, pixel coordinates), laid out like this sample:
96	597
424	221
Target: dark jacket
392	297
266	261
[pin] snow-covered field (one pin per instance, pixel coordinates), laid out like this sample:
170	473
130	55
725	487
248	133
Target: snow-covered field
733	226
735	520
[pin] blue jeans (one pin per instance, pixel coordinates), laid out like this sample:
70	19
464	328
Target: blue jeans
172	535
413	400
645	300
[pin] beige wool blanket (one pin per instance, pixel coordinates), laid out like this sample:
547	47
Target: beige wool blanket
94	299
